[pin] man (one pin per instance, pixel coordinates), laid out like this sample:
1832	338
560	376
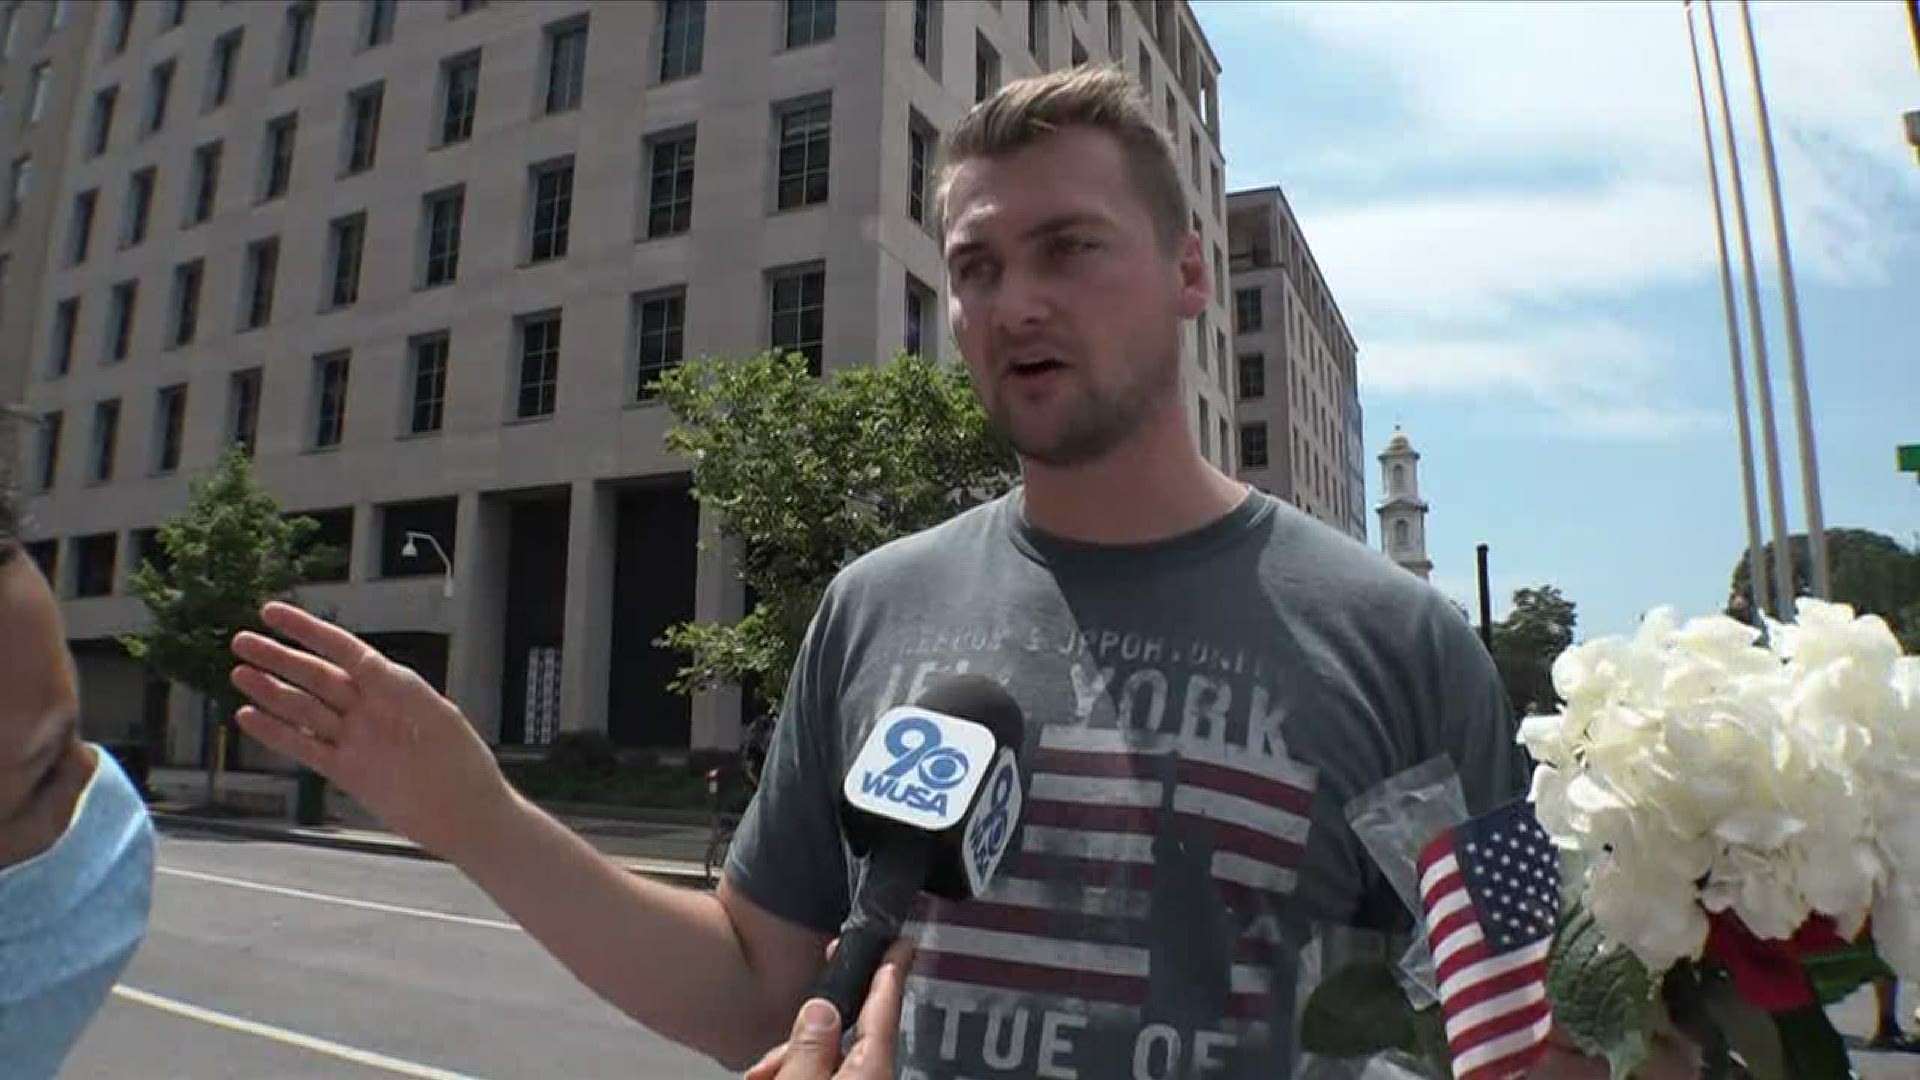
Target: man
1207	676
76	845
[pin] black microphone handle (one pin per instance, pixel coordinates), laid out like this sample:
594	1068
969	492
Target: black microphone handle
895	874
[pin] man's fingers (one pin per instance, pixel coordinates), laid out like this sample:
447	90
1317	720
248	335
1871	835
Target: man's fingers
316	634
321	678
813	1049
880	1015
290	704
282	738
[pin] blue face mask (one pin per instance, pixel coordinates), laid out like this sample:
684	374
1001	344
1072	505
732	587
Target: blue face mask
70	919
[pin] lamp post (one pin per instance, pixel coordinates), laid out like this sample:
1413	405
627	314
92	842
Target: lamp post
411	551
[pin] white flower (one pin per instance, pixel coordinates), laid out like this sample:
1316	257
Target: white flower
1703	770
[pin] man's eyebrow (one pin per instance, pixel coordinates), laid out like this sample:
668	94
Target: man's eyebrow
1047	227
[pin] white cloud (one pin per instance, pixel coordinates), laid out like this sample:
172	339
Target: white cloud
1522	162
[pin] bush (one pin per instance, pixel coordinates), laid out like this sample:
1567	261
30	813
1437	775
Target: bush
589	753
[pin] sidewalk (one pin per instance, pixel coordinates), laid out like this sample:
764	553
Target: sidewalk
670	850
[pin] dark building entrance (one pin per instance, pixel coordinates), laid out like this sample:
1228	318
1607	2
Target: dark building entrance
655	563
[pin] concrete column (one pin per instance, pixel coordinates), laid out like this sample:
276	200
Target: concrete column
479	611
364	561
586	637
718	596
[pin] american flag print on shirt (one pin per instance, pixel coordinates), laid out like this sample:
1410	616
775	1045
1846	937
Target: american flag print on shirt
1144	865
1490	890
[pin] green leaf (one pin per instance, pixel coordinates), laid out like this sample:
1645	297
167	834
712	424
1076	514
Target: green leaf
1836	975
1603	996
1814	1049
1358	1010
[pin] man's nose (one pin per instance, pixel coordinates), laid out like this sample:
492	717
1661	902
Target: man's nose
1020	303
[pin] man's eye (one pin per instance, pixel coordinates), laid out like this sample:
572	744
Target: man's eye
1072	245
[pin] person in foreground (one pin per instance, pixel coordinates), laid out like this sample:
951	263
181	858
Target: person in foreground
76	844
1208	677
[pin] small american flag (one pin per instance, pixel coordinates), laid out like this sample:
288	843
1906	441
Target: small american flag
1490	889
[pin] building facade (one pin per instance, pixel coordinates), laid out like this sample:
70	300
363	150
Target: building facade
423	258
42	50
1300	422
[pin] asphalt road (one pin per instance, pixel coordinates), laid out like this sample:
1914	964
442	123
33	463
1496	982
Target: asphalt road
264	962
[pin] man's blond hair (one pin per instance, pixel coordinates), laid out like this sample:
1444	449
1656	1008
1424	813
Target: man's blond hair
1102	97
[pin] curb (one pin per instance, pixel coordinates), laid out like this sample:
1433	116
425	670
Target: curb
671	871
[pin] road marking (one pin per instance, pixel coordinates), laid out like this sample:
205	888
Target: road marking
344	901
369	1058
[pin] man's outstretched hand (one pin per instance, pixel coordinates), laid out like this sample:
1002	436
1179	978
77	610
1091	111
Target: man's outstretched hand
812	1051
371	726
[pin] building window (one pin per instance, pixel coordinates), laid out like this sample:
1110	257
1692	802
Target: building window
922	30
159	92
226	61
1219	276
93	559
1115	39
1037	40
121	304
379	24
263	266
1402	536
920	146
427	412
919	318
46	458
566	65
106	438
539	366
1253	376
1246	311
805	142
1200	341
683	38
670	183
37	92
443	213
297	41
330	399
66	324
363	127
176	14
467	7
278	170
139	208
552	210
798	302
204	188
243	408
1146	70
9	30
346	241
186	302
170	425
1079	53
19	186
80	226
1253	445
986	69
459	98
659	334
1206	429
809	22
100	124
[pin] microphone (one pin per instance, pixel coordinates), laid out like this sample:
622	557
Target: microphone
932	803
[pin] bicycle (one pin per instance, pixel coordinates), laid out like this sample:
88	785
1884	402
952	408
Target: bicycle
730	787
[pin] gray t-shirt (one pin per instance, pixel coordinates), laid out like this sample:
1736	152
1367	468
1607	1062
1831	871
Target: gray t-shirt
1199	712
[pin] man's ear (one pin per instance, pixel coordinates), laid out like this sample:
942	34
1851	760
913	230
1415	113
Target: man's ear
1196	282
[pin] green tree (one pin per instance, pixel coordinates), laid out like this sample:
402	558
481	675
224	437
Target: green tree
1872	572
229	553
1525	643
808	473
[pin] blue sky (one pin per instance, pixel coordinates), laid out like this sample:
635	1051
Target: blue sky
1510	204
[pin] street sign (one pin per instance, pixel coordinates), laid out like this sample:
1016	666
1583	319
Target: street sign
1910	458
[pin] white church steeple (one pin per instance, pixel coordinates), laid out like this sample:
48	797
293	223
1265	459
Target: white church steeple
1403	514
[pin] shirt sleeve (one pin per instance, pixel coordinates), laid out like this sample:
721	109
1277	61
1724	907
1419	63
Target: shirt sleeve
787	855
1476	722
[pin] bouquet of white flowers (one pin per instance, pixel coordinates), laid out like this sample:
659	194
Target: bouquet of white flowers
1738	814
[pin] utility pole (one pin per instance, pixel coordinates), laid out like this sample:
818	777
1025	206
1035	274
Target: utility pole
1486	600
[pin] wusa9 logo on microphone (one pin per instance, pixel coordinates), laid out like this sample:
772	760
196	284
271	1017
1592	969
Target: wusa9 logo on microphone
927	770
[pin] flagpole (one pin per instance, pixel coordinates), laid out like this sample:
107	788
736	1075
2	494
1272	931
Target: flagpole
1783	591
1756	562
1822	585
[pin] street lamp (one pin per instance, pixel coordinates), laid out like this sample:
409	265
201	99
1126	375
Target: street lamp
409	550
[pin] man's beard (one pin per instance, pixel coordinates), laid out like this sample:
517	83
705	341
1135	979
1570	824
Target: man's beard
1099	418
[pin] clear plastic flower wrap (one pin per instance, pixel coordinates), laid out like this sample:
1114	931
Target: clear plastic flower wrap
1394	820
